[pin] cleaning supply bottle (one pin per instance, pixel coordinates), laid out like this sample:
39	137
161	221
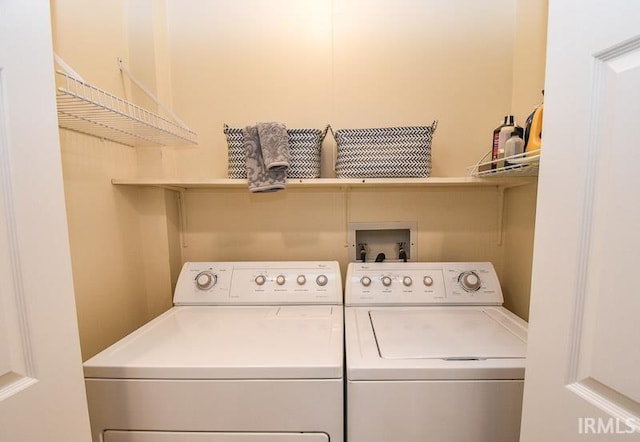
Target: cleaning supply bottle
513	146
533	131
500	136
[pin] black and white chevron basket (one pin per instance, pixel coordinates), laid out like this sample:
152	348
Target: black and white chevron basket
391	152
305	146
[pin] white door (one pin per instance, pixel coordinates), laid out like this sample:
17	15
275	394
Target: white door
42	394
583	375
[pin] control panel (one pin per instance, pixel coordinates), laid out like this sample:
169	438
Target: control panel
259	283
415	283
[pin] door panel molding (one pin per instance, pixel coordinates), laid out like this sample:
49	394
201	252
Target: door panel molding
17	370
597	278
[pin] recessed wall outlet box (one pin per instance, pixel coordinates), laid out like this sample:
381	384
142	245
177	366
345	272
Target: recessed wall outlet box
396	240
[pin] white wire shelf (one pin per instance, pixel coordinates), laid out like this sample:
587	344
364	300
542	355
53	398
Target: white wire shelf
520	165
93	111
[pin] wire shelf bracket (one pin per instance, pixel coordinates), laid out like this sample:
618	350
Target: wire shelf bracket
520	165
524	164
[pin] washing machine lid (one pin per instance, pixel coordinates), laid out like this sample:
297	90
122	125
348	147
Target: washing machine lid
211	436
449	334
229	342
434	343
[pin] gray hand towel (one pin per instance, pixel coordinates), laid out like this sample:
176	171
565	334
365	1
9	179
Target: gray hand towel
260	177
274	140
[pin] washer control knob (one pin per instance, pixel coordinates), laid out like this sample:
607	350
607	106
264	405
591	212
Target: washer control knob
205	280
428	281
260	279
407	281
386	281
322	280
470	281
301	280
365	281
280	279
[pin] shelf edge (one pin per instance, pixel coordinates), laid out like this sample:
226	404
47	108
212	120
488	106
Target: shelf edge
353	183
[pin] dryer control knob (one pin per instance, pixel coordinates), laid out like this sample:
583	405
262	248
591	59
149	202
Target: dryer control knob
365	281
205	280
386	281
407	281
280	279
260	279
301	280
470	281
322	280
428	281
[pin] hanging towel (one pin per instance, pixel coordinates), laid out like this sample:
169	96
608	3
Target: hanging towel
274	140
267	158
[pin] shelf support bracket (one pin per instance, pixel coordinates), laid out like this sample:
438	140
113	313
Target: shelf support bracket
149	94
182	214
347	214
500	221
66	68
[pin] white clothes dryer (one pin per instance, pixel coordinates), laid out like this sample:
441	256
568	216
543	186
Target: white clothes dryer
250	352
431	354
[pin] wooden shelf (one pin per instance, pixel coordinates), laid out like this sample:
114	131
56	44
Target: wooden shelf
352	183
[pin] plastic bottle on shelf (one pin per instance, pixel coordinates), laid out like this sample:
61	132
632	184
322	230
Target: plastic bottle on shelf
513	146
500	136
496	144
533	132
534	135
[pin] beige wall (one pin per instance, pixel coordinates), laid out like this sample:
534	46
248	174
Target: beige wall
304	224
308	63
118	236
349	63
520	203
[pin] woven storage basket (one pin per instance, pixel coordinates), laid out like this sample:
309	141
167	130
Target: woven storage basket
305	146
391	152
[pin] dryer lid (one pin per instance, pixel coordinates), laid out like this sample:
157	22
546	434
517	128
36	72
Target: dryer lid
229	342
450	334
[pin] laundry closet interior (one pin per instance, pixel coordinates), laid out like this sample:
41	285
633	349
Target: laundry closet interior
136	214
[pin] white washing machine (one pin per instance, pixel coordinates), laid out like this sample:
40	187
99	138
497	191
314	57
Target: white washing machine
431	354
251	352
